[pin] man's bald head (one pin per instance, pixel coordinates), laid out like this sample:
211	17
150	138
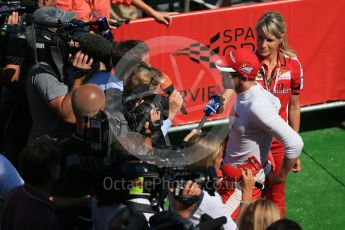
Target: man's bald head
87	100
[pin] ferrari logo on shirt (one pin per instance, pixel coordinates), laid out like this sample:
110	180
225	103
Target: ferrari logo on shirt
284	76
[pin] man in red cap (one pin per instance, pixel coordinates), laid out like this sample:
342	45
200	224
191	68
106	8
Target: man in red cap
254	122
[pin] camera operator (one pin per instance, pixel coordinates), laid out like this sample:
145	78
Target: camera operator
49	97
14	102
87	100
13	106
83	164
142	89
126	55
10	74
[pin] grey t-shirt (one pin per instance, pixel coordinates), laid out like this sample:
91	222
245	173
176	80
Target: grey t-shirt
42	88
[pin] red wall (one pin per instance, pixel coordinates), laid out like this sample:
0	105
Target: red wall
315	29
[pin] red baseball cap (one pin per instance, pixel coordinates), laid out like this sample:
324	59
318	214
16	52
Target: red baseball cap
240	60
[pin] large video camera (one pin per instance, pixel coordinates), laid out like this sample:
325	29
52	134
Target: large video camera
12	37
23	6
122	168
126	153
137	116
55	47
135	179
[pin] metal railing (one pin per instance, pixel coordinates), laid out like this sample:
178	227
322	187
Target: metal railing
224	121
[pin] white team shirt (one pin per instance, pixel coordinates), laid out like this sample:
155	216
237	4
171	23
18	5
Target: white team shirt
255	123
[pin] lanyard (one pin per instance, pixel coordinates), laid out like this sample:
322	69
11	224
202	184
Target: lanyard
267	82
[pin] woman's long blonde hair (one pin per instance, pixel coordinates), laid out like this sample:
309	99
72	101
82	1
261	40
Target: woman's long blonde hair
258	215
204	149
143	75
273	23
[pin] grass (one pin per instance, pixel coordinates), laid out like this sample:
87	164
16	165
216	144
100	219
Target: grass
315	197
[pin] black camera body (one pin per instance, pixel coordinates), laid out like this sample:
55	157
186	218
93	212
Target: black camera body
136	179
139	115
7	7
13	45
106	128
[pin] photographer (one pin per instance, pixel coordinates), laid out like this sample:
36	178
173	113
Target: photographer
87	100
126	55
13	106
85	167
10	74
75	182
49	97
142	89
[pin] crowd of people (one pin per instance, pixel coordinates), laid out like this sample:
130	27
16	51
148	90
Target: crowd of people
76	113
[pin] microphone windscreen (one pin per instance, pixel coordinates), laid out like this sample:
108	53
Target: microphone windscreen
231	172
31	4
98	47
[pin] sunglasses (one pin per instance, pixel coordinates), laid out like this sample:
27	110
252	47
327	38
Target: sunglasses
231	74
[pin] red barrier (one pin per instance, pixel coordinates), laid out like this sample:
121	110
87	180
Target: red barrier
182	50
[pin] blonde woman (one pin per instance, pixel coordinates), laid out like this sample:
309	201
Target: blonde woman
203	150
258	215
206	149
282	75
143	76
145	80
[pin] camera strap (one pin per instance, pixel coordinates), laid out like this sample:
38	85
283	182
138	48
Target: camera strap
57	57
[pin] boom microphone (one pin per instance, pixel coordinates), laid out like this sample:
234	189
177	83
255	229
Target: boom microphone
236	174
98	47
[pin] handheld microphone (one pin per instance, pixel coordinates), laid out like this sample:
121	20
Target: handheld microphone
236	174
210	109
168	87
